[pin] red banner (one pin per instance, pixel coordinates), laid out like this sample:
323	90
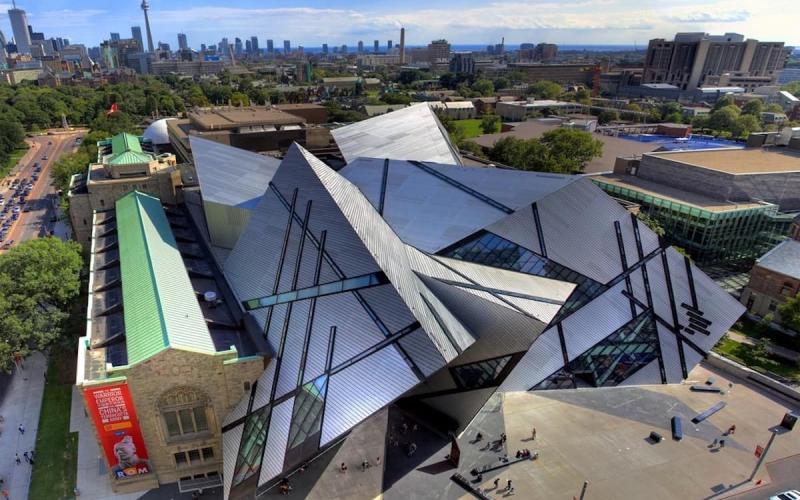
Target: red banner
114	417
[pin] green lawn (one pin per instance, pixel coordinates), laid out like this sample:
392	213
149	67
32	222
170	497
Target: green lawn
756	330
745	354
471	128
16	155
55	472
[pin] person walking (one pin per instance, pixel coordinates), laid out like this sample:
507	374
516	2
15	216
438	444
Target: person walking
731	429
496	482
533	434
411	449
21	429
508	486
27	459
722	443
16	455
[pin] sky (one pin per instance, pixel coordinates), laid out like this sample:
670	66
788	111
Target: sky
312	22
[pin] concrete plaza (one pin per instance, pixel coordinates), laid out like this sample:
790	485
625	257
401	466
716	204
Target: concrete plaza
600	435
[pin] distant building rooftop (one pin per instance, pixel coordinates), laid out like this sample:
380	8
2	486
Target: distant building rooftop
737	161
231	118
784	259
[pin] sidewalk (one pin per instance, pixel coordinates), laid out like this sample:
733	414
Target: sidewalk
21	405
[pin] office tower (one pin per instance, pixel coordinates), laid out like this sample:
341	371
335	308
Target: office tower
439	51
325	48
114	37
287	46
223	47
203	47
66	42
360	46
343	50
270	47
183	44
376	45
145	7
695	60
300	49
164	47
545	52
254	45
19	26
402	45
389	45
136	34
237	44
248	47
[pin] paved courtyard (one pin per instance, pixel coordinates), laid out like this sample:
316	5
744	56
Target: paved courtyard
600	435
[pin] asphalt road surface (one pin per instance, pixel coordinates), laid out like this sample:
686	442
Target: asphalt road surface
42	198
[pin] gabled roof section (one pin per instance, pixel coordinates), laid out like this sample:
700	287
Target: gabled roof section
161	310
431	205
231	176
126	150
784	259
412	133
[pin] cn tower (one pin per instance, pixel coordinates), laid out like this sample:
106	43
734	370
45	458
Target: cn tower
145	7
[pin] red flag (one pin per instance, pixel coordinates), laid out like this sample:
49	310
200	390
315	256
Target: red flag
114	108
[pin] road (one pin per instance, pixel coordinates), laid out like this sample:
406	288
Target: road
42	198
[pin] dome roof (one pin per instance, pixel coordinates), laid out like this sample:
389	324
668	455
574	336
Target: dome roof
157	131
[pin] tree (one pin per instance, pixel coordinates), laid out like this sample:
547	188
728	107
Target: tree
483	87
607	116
239	99
396	98
570	149
789	312
39	279
546	89
774	108
723	118
490	124
651	223
501	82
793	88
745	125
723	101
472	148
753	107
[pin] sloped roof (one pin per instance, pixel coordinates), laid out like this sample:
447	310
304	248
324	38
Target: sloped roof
430	205
784	259
161	310
412	133
231	176
157	131
126	150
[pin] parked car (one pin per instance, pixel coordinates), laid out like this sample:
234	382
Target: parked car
44	158
787	495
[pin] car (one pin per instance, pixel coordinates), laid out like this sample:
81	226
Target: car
44	158
787	495
27	208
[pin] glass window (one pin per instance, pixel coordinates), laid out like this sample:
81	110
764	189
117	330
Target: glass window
208	453
307	413
481	374
254	437
171	420
180	460
185	417
201	423
194	457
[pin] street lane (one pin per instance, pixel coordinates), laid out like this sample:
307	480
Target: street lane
42	198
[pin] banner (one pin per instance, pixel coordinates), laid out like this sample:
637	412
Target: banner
114	416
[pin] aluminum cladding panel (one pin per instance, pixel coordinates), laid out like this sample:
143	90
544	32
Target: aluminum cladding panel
648	375
277	436
669	352
360	390
264	387
230	452
595	321
293	348
355	330
542	359
325	315
389	307
520	228
422	351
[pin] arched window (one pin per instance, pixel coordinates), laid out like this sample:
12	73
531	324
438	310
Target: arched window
184	412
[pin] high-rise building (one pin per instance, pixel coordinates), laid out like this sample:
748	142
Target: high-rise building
402	45
270	46
545	52
439	51
183	44
325	48
248	47
287	46
376	46
237	46
203	47
164	47
254	45
360	46
695	60
145	8
136	34
343	49
114	37
389	45
19	26
462	62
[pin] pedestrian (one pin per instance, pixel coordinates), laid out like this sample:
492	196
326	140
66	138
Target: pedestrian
364	464
30	453
27	459
533	434
716	440
343	467
21	429
405	427
411	449
732	429
722	443
378	461
17	458
496	482
503	437
30	461
508	486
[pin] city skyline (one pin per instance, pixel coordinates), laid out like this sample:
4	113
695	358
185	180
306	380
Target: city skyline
621	22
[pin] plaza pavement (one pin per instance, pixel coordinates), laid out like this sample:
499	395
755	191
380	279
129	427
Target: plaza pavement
20	403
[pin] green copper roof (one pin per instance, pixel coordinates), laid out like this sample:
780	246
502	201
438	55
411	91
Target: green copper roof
126	150
159	302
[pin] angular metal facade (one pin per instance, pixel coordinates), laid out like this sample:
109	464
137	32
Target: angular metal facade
555	285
